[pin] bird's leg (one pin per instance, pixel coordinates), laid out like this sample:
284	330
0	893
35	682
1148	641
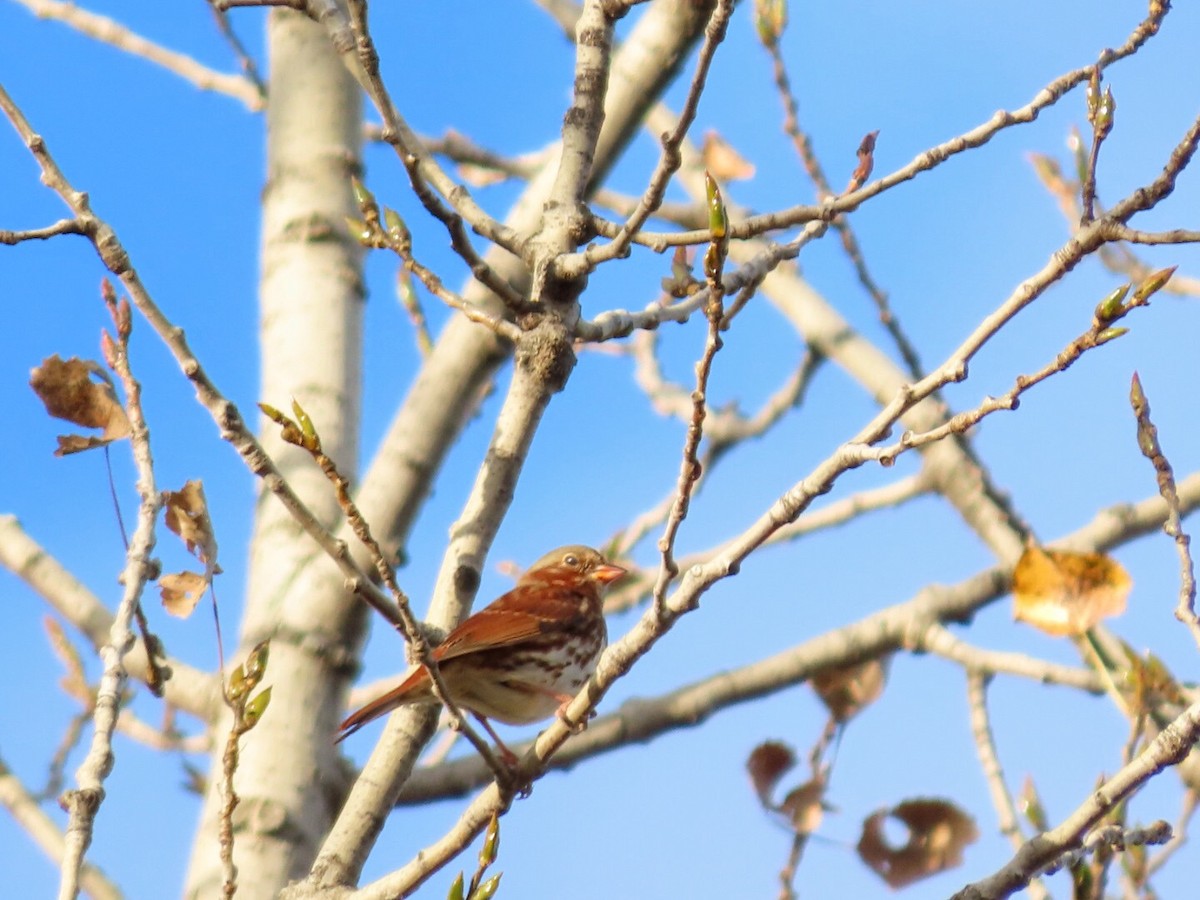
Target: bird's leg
506	756
574	727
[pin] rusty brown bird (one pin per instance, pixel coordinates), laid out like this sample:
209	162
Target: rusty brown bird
525	655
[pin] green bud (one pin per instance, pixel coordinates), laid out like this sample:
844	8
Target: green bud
238	685
363	197
272	413
491	842
256	663
397	231
1153	283
362	232
310	440
487	890
1092	94
1137	397
770	19
456	889
256	707
718	222
1112	306
1105	113
1110	334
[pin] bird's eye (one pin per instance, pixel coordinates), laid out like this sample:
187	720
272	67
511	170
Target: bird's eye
571	560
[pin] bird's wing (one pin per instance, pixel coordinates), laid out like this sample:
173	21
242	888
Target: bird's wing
524	612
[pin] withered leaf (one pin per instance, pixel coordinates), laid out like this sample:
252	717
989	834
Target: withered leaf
847	690
187	516
804	806
1150	682
68	392
1066	593
181	591
768	762
74	682
681	283
866	163
195	781
480	176
937	833
722	161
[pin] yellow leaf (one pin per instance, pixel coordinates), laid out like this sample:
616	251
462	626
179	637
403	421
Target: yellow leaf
1065	593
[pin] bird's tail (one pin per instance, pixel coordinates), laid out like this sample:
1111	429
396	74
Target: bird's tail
408	691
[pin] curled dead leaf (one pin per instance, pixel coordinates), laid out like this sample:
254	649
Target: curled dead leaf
804	806
74	681
866	163
480	176
68	392
181	591
187	516
722	161
847	690
1065	593
937	833
768	762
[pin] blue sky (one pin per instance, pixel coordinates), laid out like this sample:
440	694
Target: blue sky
178	173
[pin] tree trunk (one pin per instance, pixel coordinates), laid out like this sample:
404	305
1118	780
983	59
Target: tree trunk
311	338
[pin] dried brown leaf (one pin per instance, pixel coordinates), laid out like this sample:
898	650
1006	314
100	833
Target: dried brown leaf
847	690
866	163
1066	593
937	833
768	762
804	807
480	176
682	283
187	516
722	161
74	682
181	591
68	392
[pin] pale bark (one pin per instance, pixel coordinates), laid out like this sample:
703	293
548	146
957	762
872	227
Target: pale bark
311	337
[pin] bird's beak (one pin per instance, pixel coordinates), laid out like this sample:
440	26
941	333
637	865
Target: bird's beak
607	573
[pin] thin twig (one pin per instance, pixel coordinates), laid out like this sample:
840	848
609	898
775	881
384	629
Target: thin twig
110	32
816	172
249	67
226	415
46	833
1147	438
928	160
426	176
881	632
62	226
993	772
668	163
84	802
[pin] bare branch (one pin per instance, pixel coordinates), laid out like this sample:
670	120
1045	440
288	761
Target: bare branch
1048	850
188	688
62	226
893	628
110	32
47	835
83	802
989	761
